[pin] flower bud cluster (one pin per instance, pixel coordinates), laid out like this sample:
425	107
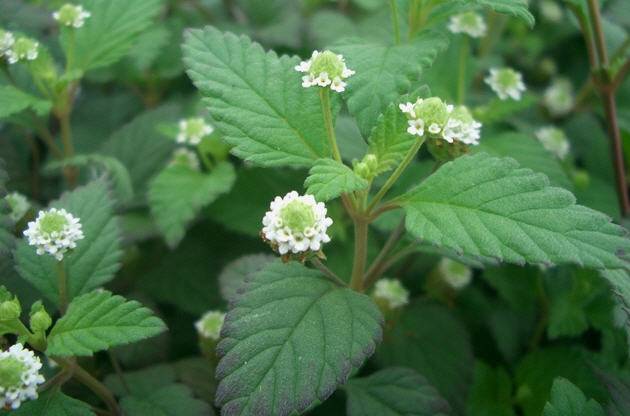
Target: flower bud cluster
19	376
54	232
210	324
506	83
18	204
325	69
367	168
71	15
469	23
554	140
390	293
192	130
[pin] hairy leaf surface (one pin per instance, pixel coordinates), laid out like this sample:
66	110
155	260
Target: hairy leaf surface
328	179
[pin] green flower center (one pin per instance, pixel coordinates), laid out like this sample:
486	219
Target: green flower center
432	110
195	127
507	78
68	13
212	324
462	114
328	62
469	20
298	216
457	270
11	371
23	46
53	222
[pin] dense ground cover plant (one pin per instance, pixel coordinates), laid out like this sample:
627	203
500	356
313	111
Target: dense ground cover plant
362	207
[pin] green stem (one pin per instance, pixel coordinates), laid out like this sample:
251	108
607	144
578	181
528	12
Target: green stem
327	272
90	382
375	269
118	370
62	283
324	96
360	253
394	11
411	154
464	50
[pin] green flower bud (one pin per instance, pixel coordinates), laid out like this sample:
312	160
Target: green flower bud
581	179
40	321
10	310
366	168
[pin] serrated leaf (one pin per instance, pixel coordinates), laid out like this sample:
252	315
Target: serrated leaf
619	389
328	179
290	340
568	400
384	73
395	391
94	261
234	274
256	99
429	339
529	153
52	403
13	100
109	33
517	8
482	205
491	393
140	147
100	320
120	175
389	140
178	193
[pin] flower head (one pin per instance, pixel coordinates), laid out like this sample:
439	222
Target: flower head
6	41
558	97
469	23
554	140
185	157
71	15
19	376
455	274
23	49
296	224
391	292
54	232
192	130
209	326
461	126
18	204
507	83
325	69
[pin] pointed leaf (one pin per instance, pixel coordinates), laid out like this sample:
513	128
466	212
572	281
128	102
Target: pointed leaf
568	400
256	99
290	340
482	205
328	179
52	403
100	320
13	100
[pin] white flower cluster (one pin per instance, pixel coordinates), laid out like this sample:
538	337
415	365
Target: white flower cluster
559	98
296	224
441	120
19	49
19	376
506	83
325	69
192	130
18	204
185	157
54	232
469	23
554	140
455	274
391	292
210	324
71	15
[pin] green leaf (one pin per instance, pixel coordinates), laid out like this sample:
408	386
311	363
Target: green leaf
429	339
100	320
568	400
141	148
487	206
389	140
516	8
290	340
13	100
491	393
395	391
256	99
178	193
94	261
171	400
52	403
109	33
120	176
384	73
529	153
328	179
619	389
234	275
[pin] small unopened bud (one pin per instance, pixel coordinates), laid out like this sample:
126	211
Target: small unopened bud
40	321
10	310
581	179
367	168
